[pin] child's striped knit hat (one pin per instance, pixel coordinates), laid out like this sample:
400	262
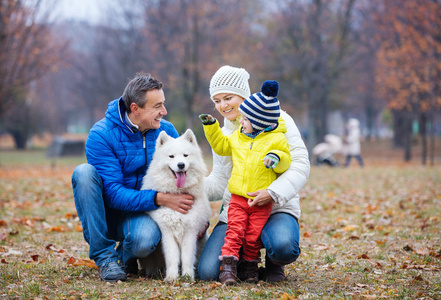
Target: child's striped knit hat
262	109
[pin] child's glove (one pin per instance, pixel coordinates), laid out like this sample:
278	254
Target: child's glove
271	160
207	119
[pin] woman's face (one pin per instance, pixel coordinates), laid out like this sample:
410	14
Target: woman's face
228	105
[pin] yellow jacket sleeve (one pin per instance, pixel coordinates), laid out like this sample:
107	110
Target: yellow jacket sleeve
218	141
285	160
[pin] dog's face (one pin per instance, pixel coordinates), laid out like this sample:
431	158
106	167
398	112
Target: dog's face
182	157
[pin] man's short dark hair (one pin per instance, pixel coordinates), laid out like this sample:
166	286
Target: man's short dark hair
137	88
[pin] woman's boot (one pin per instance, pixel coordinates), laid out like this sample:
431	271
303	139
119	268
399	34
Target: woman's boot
273	272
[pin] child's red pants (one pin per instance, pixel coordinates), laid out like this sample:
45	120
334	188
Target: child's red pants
244	227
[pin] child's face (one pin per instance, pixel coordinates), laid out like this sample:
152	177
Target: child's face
246	124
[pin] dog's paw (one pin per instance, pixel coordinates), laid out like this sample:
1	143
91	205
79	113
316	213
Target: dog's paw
170	279
188	277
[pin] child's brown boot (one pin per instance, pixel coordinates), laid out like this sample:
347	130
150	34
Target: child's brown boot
249	270
228	271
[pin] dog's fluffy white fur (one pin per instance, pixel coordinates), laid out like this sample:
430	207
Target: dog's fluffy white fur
178	167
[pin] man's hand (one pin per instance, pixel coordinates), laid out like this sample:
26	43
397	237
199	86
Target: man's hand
271	160
207	119
179	202
262	197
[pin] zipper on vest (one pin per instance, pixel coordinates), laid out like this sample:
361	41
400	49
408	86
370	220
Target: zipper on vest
251	146
145	148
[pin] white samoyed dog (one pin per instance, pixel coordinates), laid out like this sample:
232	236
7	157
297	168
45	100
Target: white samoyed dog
177	167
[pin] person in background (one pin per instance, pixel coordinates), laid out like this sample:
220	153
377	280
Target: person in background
280	236
352	142
259	150
119	149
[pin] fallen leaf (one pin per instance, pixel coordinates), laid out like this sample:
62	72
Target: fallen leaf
407	248
285	296
350	228
416	267
81	262
71	215
307	234
422	252
57	229
321	247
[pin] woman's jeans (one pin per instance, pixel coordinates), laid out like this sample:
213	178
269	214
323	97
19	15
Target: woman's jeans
280	237
137	233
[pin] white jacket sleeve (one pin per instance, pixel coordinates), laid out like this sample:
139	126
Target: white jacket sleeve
288	184
217	181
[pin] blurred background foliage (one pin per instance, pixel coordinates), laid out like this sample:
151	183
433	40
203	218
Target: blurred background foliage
377	60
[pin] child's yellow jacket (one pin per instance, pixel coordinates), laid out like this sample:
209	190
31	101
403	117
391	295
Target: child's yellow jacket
249	174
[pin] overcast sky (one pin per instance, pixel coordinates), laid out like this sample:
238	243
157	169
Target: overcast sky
81	9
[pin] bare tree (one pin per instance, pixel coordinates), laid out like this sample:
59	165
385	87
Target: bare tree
27	52
311	48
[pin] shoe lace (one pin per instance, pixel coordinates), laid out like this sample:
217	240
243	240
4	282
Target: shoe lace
110	266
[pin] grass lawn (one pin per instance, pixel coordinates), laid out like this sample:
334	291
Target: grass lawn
370	233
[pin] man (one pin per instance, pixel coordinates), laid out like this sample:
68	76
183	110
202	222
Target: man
110	205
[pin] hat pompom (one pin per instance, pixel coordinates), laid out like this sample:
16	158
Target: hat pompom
270	88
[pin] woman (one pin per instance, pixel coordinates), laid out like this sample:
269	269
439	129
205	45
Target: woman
280	236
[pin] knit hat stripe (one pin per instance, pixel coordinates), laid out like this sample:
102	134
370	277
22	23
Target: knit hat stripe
259	124
258	121
267	103
251	109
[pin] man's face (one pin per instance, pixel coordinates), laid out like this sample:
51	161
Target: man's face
149	117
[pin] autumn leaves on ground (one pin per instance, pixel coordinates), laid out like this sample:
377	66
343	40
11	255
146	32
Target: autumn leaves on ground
365	234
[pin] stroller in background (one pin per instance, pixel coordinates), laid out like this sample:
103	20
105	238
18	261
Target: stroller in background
324	152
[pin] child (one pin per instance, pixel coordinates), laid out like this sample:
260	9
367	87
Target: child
259	150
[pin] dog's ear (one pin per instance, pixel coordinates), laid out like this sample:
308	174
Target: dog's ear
189	136
162	139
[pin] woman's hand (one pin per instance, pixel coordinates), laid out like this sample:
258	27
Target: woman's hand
262	197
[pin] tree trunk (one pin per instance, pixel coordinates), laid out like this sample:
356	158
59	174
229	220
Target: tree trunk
311	140
423	133
20	138
399	128
407	136
432	140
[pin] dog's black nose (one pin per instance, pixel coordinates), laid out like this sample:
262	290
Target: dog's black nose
181	165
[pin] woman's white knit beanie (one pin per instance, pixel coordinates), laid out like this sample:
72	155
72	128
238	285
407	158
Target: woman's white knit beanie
230	80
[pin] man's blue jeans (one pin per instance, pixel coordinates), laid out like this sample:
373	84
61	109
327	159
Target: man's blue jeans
137	233
280	237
